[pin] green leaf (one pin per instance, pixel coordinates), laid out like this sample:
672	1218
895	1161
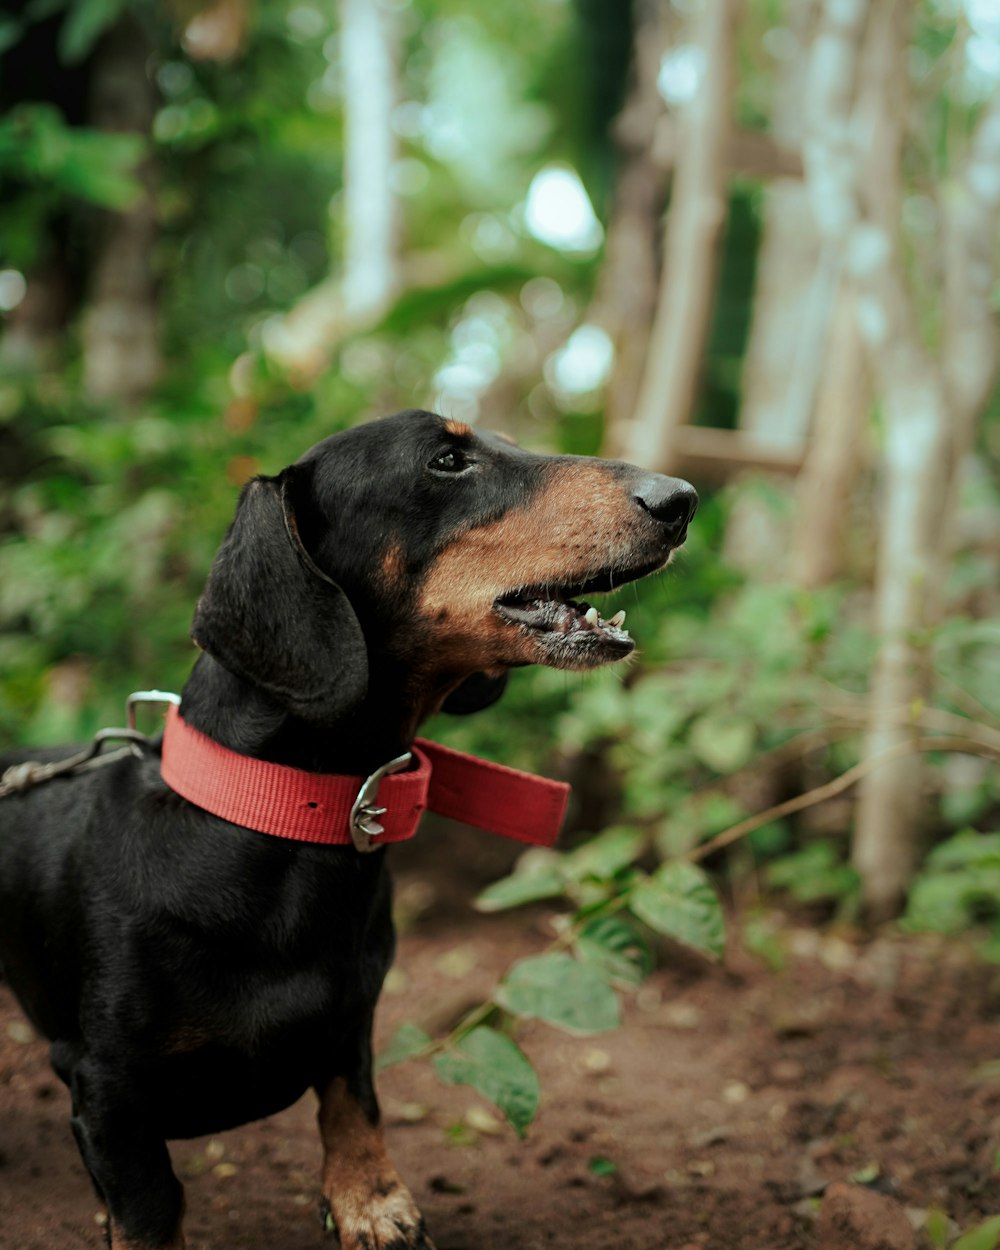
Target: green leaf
606	854
537	875
38	146
817	871
723	743
407	1041
680	903
936	1228
99	167
967	849
558	989
492	1064
86	21
600	1165
614	946
985	1237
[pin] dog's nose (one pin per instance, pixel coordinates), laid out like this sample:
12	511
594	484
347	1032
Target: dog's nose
668	500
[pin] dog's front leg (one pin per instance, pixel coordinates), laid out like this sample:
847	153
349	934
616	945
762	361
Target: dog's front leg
370	1207
127	1160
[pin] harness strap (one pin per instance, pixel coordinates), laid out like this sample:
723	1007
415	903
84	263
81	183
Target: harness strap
19	778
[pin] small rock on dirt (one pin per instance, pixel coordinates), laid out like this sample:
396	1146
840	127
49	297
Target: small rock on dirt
855	1218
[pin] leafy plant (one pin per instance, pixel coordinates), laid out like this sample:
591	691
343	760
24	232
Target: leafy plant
38	147
985	1236
603	947
958	886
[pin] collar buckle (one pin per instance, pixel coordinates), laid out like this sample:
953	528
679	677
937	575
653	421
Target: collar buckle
363	821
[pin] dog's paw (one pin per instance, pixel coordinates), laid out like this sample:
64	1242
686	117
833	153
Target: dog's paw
383	1218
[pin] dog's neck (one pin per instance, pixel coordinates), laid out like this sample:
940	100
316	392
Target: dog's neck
246	719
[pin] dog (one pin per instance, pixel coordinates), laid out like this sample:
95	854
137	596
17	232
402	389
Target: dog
193	974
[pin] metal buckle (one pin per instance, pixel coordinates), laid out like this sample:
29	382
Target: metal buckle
363	823
147	696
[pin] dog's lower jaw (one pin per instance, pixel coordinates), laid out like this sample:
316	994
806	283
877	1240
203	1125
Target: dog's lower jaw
364	1200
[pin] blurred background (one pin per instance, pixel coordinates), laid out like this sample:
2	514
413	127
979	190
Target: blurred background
751	243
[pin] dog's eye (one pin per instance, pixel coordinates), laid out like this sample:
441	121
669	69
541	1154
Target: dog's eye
450	461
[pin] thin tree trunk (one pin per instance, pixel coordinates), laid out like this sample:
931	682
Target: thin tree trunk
972	343
625	301
842	394
121	354
930	405
915	468
835	451
371	225
304	338
694	227
775	404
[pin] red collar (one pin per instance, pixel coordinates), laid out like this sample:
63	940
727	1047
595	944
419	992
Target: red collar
323	807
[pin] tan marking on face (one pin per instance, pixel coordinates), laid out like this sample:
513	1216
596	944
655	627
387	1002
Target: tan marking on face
393	563
458	428
368	1201
582	520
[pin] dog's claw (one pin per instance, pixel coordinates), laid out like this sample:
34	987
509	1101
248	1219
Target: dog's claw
378	1229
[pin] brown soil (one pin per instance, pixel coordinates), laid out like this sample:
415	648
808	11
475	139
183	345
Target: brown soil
716	1117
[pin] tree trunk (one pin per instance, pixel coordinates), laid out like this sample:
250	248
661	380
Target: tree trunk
121	354
371	225
772	404
915	468
694	226
303	339
625	301
835	453
930	405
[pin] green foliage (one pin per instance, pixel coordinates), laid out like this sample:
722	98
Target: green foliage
813	873
85	22
407	1042
602	947
492	1064
37	147
618	950
985	1236
679	902
558	989
600	1165
958	886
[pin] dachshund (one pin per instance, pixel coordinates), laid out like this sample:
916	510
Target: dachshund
192	973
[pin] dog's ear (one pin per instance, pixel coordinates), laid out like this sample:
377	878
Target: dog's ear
475	693
272	616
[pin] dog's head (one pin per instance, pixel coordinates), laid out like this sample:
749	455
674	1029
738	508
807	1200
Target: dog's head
417	542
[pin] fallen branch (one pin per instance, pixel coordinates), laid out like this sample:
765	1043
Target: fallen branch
838	785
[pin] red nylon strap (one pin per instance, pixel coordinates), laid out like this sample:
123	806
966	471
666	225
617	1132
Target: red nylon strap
491	796
315	807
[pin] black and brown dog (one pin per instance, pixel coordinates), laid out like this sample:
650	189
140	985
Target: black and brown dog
192	974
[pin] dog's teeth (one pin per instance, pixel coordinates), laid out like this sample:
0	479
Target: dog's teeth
591	616
618	620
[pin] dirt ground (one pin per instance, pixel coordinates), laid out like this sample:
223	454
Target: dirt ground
715	1117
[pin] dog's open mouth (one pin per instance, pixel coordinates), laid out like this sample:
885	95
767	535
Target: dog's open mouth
566	624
